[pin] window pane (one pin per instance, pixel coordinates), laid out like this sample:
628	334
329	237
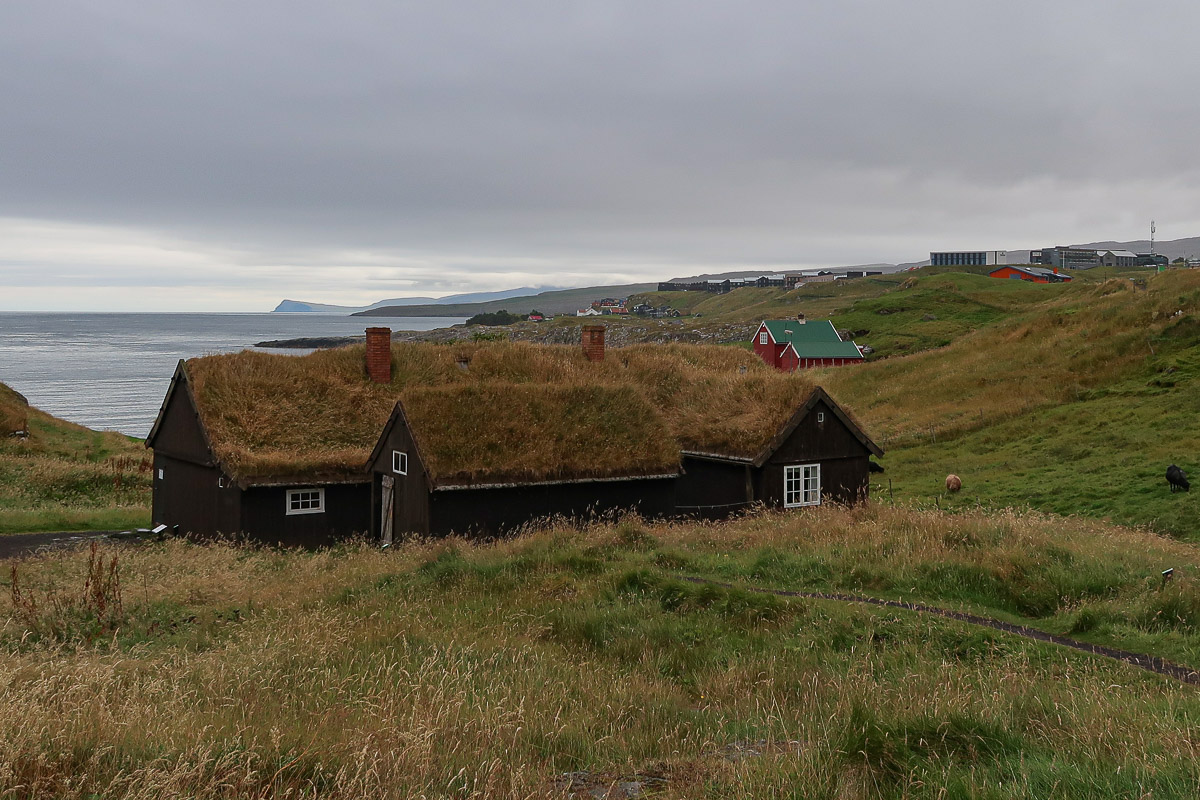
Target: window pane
300	501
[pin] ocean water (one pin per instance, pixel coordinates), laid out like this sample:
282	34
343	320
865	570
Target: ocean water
111	371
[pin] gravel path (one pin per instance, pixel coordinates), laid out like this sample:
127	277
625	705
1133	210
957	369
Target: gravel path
22	544
1159	666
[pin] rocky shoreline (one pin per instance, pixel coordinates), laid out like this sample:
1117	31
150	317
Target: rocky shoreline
312	343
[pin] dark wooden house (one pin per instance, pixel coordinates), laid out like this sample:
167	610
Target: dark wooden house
484	437
818	455
542	452
207	493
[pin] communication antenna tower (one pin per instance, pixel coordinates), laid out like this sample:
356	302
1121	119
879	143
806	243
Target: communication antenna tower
1152	229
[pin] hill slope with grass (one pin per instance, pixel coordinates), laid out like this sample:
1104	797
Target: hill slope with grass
55	475
1073	403
571	661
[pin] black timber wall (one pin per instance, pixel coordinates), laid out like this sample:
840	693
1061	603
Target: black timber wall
192	492
490	512
843	480
192	497
714	489
347	512
179	434
843	458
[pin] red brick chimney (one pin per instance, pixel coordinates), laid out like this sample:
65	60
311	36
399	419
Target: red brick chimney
379	354
593	342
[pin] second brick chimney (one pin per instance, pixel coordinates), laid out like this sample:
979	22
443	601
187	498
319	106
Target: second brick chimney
593	342
379	354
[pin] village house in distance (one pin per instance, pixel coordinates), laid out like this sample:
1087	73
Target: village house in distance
792	344
481	438
1033	274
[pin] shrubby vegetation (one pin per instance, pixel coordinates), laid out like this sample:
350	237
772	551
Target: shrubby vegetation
500	317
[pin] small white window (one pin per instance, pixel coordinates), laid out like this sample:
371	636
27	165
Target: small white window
160	474
802	485
220	483
762	338
399	462
820	417
305	501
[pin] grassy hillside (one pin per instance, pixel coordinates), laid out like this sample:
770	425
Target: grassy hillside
928	311
66	477
575	660
817	300
1075	403
961	299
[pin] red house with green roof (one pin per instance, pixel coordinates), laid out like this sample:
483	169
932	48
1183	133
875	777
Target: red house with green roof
791	344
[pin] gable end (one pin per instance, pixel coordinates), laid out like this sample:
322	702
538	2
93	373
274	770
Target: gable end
398	417
818	395
178	430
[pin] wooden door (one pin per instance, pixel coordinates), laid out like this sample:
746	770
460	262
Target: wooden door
387	518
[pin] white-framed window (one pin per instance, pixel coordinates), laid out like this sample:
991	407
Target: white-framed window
399	462
762	338
160	474
305	501
820	417
801	485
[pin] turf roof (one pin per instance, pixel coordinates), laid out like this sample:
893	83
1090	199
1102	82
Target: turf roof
503	432
317	415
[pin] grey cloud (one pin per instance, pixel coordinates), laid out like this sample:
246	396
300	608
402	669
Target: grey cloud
644	133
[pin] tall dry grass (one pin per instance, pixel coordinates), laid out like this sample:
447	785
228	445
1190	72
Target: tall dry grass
448	669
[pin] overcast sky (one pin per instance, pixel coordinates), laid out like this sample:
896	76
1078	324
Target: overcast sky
225	155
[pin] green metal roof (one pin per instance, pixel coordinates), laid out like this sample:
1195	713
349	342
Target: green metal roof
826	350
811	339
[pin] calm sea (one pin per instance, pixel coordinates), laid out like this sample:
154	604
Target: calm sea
111	371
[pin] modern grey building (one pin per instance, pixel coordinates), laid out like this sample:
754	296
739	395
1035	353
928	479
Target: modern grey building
969	258
1117	258
1066	257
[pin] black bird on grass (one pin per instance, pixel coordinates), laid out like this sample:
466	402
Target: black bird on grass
1177	478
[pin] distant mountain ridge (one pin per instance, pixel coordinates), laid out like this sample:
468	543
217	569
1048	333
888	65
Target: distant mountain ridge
293	306
1172	248
557	301
754	273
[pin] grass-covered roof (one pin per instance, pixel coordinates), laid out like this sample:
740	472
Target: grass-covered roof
502	432
522	404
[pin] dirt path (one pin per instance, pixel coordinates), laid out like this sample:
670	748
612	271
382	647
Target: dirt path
21	544
1153	664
